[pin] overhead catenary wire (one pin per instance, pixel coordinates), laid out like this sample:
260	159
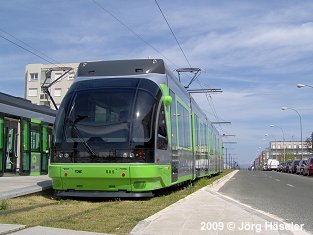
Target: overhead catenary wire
212	107
24	48
36	53
42	56
180	47
29	46
132	31
173	33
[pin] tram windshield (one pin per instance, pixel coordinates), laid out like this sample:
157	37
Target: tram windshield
110	122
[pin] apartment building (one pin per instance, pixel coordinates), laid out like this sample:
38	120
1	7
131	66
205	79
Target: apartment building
37	74
293	150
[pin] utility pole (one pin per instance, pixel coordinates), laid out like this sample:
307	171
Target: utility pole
226	157
231	161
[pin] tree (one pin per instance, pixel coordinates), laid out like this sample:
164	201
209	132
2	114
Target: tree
309	143
290	156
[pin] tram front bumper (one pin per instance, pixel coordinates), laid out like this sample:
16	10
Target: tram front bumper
105	177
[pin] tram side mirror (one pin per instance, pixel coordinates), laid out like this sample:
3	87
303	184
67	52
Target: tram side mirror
167	100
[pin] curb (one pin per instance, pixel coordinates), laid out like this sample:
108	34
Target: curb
216	185
26	190
11	228
146	222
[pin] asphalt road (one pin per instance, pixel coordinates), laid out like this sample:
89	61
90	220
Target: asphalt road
287	196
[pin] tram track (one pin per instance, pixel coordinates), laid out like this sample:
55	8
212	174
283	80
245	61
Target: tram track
28	208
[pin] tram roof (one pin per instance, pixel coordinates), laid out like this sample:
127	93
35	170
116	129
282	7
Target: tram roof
120	67
17	102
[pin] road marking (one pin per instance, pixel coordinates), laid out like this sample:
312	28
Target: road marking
290	185
277	179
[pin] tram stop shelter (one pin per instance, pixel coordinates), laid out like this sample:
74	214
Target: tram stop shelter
25	136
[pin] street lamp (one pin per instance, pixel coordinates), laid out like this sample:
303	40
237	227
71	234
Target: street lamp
285	108
303	85
282	131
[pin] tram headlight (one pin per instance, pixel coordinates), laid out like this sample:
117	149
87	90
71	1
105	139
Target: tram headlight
60	155
66	155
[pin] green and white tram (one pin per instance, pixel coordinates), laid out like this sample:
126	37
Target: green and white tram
126	128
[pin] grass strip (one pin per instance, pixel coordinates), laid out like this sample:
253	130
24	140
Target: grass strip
99	215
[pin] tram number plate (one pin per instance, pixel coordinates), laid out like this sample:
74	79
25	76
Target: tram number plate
110	172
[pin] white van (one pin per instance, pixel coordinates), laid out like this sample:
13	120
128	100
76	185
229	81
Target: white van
272	164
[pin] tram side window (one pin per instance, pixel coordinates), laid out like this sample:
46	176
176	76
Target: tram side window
35	137
211	142
203	138
162	140
197	133
218	146
214	149
187	128
183	126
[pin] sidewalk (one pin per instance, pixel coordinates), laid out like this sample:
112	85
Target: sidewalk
16	229
208	212
22	185
203	212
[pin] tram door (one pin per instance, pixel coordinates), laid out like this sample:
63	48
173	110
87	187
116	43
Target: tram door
45	150
11	142
25	148
175	161
35	147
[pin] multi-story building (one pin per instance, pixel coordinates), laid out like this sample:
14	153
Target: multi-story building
37	74
293	150
261	160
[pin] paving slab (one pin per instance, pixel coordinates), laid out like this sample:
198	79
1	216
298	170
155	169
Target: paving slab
203	212
208	212
8	228
40	230
22	185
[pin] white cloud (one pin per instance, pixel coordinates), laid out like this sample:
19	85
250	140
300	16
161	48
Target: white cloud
255	52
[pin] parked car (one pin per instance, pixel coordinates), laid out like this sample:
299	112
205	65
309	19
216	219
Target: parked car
293	167
281	166
286	167
299	168
308	170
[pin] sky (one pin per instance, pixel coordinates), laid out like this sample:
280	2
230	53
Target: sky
255	51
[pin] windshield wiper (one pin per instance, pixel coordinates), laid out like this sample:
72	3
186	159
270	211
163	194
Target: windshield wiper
87	146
